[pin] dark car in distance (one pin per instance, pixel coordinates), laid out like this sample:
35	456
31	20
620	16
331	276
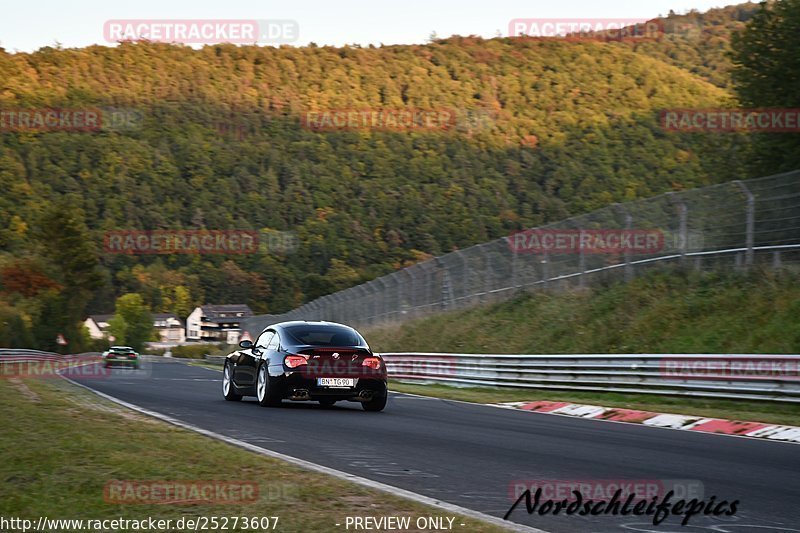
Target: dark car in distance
306	361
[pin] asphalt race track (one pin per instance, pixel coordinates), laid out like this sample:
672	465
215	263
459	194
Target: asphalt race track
470	455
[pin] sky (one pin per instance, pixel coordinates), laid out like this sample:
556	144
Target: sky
32	24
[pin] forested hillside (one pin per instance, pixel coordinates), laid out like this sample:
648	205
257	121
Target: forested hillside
701	42
544	129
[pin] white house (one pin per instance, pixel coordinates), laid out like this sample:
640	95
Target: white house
217	323
170	328
98	325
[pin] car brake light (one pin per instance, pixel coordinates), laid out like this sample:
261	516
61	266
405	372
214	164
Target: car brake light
293	361
372	362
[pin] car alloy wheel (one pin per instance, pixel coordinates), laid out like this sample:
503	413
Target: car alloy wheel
262	383
226	380
228	389
264	393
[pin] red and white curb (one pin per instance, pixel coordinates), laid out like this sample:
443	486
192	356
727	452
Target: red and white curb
683	422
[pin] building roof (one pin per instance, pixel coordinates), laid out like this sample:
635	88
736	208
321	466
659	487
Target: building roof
215	311
101	318
156	316
164	316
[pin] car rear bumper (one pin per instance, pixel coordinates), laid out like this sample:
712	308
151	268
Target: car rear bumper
121	361
299	386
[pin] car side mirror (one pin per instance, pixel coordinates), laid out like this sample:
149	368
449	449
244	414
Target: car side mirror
246	344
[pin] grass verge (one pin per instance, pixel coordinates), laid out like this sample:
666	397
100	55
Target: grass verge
61	445
206	364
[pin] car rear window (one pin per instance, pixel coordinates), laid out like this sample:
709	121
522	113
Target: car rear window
321	335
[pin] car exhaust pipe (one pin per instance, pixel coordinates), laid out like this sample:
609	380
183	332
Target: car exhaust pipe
300	394
365	395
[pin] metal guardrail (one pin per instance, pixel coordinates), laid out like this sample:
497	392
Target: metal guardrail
8	355
734	376
739	376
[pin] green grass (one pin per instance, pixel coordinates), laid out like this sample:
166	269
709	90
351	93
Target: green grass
197	351
773	413
206	364
60	446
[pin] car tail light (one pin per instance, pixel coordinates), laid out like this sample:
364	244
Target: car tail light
293	361
372	362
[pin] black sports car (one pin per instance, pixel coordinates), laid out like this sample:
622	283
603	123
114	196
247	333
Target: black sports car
317	361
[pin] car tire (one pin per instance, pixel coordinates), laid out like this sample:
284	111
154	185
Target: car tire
228	388
264	392
377	403
327	403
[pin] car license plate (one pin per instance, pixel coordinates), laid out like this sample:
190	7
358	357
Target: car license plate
336	382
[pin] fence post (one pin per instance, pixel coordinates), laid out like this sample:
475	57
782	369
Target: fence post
399	285
683	230
514	277
361	301
342	297
319	309
313	309
751	223
325	308
467	293
485	295
335	298
408	294
581	255
374	305
382	295
427	281
545	269
627	255
346	312
347	305
447	284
